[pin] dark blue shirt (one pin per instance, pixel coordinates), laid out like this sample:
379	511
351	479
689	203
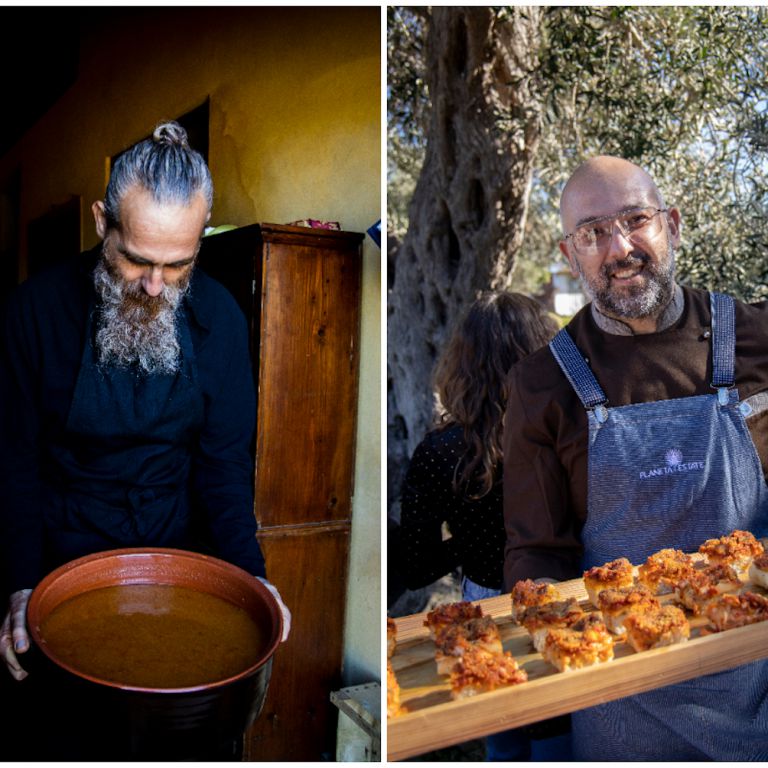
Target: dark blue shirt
43	334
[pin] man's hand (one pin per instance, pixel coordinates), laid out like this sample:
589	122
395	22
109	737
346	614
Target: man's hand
13	635
283	608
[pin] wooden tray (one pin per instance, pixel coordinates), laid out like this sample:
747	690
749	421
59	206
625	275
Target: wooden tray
434	720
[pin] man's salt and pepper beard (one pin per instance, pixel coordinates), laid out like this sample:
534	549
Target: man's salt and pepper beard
134	329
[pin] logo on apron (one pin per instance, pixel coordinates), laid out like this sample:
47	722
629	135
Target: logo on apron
674	464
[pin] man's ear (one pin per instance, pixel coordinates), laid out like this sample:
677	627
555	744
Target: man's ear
100	217
564	250
673	221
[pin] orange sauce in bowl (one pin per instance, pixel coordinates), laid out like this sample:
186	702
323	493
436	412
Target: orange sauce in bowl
153	636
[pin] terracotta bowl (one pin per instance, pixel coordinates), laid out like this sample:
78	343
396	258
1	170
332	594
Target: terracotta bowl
160	723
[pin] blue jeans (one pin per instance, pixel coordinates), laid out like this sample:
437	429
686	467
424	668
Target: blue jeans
516	744
471	590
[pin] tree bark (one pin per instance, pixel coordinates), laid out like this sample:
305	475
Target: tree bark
467	215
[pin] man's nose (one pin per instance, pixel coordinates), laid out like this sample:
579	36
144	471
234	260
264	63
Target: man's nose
620	246
152	282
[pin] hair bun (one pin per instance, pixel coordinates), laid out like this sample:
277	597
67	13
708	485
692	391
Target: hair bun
170	133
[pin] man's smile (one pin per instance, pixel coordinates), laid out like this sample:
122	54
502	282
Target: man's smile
627	272
629	277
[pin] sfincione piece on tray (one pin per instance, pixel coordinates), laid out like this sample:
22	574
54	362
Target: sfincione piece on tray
528	593
737	549
697	588
584	644
391	637
479	672
393	693
613	575
664	569
539	619
454	640
655	627
758	571
732	611
617	604
451	613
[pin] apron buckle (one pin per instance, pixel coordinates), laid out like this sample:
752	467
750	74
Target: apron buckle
601	413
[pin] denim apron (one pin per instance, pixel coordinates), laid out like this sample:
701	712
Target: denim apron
663	474
120	474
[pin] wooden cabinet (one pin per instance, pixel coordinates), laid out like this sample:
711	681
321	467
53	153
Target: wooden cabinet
300	291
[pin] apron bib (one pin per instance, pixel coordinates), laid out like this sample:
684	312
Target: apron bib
665	474
121	474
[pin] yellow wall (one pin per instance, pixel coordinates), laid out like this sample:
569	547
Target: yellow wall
294	134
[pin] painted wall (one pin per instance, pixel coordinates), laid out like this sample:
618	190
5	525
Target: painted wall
294	133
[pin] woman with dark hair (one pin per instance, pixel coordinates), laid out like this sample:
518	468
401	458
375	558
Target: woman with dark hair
451	506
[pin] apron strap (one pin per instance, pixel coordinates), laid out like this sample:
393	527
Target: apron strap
576	370
583	381
723	340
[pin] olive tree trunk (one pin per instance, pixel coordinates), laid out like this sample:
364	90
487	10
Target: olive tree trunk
467	214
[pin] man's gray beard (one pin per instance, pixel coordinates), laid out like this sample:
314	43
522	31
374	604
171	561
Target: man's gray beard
131	334
641	301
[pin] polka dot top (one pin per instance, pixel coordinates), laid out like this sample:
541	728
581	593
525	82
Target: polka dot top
476	526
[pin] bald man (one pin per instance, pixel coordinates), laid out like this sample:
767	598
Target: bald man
642	426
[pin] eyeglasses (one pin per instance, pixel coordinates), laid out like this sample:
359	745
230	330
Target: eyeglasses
594	237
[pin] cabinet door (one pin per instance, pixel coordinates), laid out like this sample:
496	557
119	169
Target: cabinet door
310	327
298	721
